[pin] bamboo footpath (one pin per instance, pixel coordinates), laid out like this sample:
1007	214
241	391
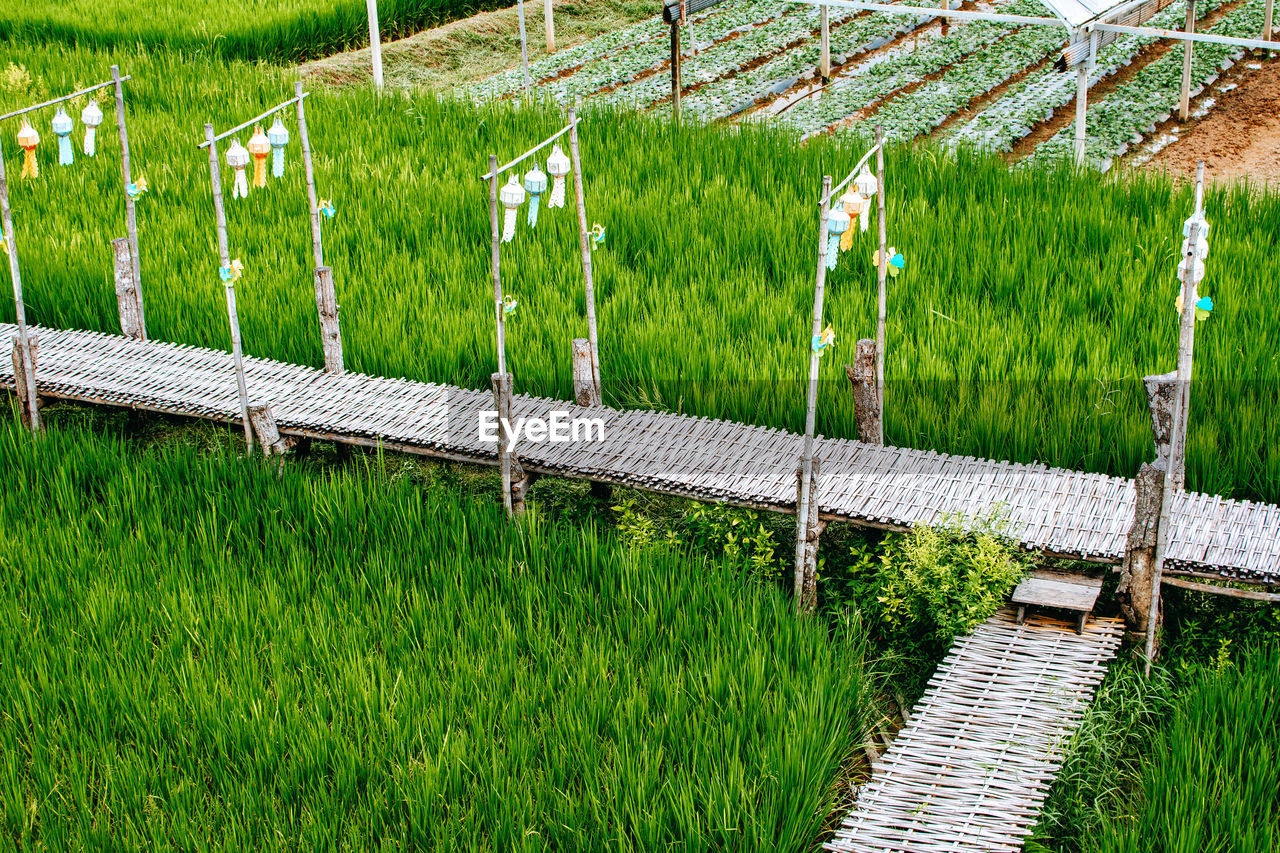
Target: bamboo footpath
971	769
1057	511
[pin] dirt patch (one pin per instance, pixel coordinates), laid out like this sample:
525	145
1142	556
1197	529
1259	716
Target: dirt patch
476	47
1237	135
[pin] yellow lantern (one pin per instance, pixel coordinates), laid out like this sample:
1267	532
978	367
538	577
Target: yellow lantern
259	147
28	139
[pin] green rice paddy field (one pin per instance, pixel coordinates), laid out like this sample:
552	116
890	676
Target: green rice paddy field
1032	302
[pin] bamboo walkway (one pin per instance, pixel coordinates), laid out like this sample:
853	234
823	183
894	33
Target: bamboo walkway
1069	513
972	768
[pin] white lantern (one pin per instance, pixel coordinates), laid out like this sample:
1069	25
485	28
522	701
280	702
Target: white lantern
512	196
558	167
866	183
238	159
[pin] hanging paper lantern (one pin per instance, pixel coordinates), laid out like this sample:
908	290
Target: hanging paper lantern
136	188
512	196
866	185
326	207
597	236
558	166
823	340
62	126
535	184
509	305
231	274
1204	225
238	158
838	223
91	117
856	206
1202	247
28	139
278	136
259	147
1197	272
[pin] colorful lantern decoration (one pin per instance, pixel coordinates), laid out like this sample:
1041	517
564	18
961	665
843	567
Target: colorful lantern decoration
824	340
62	126
91	117
896	261
535	184
1204	305
231	274
509	305
558	166
28	139
136	188
838	222
237	159
866	185
326	207
597	236
512	196
278	136
259	147
857	206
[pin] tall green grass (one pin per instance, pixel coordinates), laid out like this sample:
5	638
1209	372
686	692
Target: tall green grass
199	655
280	31
1032	302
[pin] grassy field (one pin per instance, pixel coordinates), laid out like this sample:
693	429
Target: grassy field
1032	302
201	655
235	29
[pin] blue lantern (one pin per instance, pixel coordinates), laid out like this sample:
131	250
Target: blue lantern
838	222
62	129
535	184
278	136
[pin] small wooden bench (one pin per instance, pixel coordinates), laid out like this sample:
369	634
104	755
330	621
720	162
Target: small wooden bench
1044	588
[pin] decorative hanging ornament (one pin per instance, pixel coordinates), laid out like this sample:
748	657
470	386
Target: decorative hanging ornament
278	136
823	340
1204	225
558	166
512	196
838	223
28	139
866	185
136	188
1204	306
326	207
91	117
535	184
238	158
259	147
509	305
62	126
896	261
597	236
231	274
1202	247
1197	272
855	205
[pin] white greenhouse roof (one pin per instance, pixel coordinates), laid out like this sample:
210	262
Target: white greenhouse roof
1078	12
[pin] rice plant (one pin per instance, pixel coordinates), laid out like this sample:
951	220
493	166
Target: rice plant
201	655
1033	300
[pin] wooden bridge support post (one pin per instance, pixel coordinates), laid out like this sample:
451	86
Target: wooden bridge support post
24	366
327	308
806	575
584	244
1184	102
585	392
25	342
515	482
866	399
881	275
128	300
266	430
131	219
1164	397
1134	589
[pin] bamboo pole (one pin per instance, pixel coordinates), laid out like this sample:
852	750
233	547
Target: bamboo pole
215	176
1178	450
881	279
811	406
495	263
584	243
375	45
549	19
675	69
317	244
1184	103
826	45
1266	21
24	338
524	49
131	220
1185	339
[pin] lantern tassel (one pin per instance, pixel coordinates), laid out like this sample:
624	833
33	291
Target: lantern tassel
90	137
846	239
260	171
833	251
241	187
864	218
557	192
30	168
66	156
277	162
509	225
533	210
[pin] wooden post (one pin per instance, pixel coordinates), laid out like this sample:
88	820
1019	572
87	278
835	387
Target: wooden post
806	577
317	246
550	21
1185	340
1163	398
330	332
127	299
826	45
131	220
266	430
675	69
375	45
1082	106
24	366
1134	589
1266	21
805	485
882	281
515	483
215	176
496	263
585	390
1184	103
524	48
584	244
28	366
866	397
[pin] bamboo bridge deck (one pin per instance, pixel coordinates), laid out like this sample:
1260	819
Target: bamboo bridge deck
970	771
1058	511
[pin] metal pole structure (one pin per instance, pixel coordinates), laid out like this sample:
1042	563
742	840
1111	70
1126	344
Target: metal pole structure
675	69
584	241
317	245
1184	104
1082	104
881	277
375	45
1186	336
524	49
215	175
24	339
550	21
811	408
826	45
131	220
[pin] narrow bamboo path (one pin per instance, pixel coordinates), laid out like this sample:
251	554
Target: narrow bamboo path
971	770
